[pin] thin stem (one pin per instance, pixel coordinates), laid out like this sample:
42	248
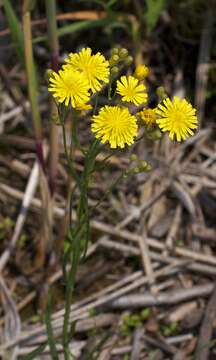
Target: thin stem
69	162
54	49
32	83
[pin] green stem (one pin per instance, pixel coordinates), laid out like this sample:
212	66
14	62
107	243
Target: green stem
54	49
69	162
31	80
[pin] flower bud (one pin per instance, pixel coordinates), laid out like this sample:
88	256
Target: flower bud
48	74
161	93
128	60
141	72
144	166
115	51
123	53
133	157
154	134
114	60
114	70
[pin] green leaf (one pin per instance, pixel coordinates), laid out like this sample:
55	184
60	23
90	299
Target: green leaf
154	8
50	335
79	26
15	29
36	352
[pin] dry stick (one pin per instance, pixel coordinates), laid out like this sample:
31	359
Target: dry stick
84	311
137	344
143	207
128	249
146	260
166	298
28	195
185	198
76	348
51	280
203	61
10	114
206	329
173	229
123	234
75	15
12	321
106	351
83	325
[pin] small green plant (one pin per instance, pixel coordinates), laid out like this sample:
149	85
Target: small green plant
6	225
133	321
169	329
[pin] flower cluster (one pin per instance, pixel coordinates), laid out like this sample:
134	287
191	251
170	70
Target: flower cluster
85	74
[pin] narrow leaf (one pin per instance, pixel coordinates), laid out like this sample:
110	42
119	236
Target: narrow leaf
15	29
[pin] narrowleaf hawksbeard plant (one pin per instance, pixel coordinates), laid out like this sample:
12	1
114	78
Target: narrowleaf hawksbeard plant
124	119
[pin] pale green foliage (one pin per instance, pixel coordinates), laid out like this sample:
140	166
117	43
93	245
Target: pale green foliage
153	11
15	29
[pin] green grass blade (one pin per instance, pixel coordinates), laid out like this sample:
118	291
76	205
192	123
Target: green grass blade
15	29
78	26
154	9
33	354
50	335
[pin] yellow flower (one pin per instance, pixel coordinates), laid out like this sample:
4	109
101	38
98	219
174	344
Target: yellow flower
149	116
94	67
83	106
69	86
131	91
116	125
141	72
178	117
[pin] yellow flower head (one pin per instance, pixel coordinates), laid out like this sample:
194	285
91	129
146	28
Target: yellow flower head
149	116
83	106
69	86
131	91
94	67
116	125
141	72
178	117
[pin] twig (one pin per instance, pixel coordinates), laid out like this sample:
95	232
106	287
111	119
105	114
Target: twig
204	340
123	234
12	321
174	228
29	194
203	61
166	298
137	344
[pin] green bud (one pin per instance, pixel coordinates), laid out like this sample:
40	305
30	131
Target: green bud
133	157
154	134
114	70
48	74
144	166
128	60
161	93
136	170
115	51
114	60
123	53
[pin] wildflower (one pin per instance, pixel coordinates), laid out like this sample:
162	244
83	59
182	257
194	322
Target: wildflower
141	72
69	86
178	117
116	125
83	106
131	91
149	116
94	67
